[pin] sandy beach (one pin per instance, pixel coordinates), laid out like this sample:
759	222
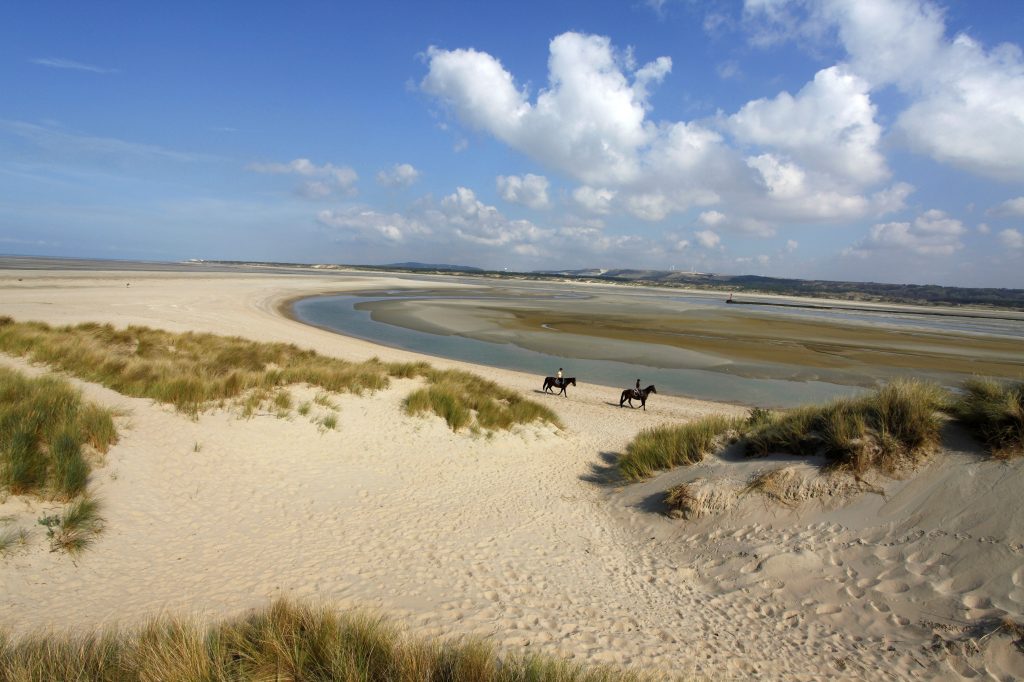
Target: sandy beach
516	536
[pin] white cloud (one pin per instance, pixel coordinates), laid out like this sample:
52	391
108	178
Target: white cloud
828	126
58	63
591	123
368	224
320	181
1012	239
400	175
479	223
707	238
791	245
966	103
588	123
983	228
933	233
711	218
1010	207
529	190
597	201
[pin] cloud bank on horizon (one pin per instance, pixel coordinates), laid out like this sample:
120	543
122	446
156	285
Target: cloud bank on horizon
853	139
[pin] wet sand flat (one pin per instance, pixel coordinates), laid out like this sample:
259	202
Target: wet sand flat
721	337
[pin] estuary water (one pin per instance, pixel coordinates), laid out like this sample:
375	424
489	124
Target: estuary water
338	313
726	383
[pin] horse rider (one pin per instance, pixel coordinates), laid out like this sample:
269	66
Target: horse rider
559	375
636	391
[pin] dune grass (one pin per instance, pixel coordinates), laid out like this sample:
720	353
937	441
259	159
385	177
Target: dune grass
193	371
463	399
284	641
887	430
44	424
895	426
664	447
994	413
11	538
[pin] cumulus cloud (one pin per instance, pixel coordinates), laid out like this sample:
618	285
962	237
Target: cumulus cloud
1012	239
598	201
318	181
966	103
933	233
591	123
399	175
368	224
529	190
707	238
829	126
1010	207
477	222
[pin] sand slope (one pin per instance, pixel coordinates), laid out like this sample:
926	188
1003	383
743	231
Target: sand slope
514	536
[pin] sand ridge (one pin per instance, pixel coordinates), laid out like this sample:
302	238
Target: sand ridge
508	536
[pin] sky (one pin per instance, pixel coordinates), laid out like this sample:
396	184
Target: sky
866	140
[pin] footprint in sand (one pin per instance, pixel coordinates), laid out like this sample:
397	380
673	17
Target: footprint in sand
892	587
976	601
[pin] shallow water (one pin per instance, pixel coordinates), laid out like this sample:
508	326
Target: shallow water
338	313
770	385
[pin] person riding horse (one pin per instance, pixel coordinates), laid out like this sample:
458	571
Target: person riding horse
636	390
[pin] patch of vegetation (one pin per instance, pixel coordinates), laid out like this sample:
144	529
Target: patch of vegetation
994	413
76	527
193	371
44	424
664	447
889	429
11	538
463	399
282	642
894	427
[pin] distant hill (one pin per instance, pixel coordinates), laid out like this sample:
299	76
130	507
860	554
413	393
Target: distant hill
431	266
854	291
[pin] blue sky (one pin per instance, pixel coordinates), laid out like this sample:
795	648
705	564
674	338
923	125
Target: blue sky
873	140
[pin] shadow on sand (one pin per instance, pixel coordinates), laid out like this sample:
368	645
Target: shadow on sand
605	472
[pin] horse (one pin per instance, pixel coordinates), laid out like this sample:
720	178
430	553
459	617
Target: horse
631	394
555	382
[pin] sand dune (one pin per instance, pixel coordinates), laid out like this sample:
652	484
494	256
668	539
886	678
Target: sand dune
512	536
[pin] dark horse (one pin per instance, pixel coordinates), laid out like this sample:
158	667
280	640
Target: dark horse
555	382
632	394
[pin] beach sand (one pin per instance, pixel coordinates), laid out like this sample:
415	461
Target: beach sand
518	536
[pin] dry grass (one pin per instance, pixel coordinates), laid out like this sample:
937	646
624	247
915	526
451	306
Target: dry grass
44	424
994	412
463	399
665	447
787	486
193	371
700	497
282	642
888	430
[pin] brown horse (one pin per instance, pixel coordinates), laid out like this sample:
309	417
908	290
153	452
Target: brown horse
632	394
555	382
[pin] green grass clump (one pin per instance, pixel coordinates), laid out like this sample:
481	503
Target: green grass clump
994	413
463	399
664	447
79	525
884	430
193	371
896	425
11	538
284	641
43	425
